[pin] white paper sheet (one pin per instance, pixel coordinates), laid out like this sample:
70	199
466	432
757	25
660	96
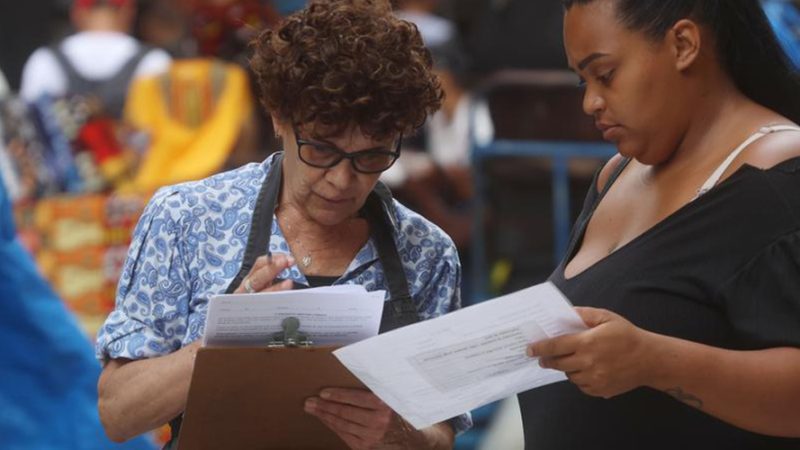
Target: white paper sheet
337	315
440	368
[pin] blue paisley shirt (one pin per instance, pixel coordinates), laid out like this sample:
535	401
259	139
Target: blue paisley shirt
189	245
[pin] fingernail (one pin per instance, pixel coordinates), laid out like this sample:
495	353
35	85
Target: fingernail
310	404
529	351
325	394
290	259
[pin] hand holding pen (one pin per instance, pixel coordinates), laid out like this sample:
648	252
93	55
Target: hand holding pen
262	277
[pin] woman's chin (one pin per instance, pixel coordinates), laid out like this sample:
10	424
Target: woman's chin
329	218
637	152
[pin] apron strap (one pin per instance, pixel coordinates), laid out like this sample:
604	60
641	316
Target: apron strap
261	225
400	309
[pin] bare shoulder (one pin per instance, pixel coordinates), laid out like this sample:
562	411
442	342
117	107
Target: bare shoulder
608	169
773	149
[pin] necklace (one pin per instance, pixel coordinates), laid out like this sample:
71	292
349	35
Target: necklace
301	252
305	260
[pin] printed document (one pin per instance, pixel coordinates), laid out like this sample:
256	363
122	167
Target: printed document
334	315
437	369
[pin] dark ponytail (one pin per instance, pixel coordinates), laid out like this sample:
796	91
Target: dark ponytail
746	44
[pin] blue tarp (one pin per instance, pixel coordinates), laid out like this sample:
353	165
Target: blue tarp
48	374
785	19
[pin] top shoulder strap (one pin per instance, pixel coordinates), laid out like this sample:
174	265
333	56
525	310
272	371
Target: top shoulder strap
76	83
717	174
385	195
617	171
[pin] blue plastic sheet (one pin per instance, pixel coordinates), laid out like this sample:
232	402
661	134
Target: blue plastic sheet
48	374
785	19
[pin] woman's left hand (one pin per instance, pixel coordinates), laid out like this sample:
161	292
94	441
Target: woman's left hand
611	358
361	419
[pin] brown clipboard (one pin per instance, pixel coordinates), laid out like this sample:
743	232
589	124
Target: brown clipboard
252	398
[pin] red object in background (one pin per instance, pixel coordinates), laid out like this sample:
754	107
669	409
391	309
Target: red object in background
83	4
98	137
222	27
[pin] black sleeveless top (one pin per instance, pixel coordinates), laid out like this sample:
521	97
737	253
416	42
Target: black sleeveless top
724	270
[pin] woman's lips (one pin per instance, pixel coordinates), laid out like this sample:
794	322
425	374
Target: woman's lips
610	131
335	201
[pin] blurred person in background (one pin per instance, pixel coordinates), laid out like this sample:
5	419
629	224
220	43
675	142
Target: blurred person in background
684	261
344	81
165	24
435	177
224	29
100	59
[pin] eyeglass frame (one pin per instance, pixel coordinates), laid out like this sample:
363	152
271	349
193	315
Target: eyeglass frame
342	155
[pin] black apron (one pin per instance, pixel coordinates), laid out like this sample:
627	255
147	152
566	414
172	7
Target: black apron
379	212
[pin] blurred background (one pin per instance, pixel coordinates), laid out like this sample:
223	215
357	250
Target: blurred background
97	111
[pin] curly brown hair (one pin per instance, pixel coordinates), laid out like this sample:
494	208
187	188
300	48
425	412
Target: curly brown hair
344	63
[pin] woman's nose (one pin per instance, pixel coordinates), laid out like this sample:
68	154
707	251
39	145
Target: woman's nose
341	175
593	103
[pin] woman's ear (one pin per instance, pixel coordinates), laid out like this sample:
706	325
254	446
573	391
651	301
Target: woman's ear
278	126
686	40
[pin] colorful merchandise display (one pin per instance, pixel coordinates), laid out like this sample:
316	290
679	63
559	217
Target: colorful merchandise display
79	179
80	243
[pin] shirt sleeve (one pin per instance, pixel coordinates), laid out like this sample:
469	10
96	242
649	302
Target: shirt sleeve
152	303
42	75
431	264
763	299
444	288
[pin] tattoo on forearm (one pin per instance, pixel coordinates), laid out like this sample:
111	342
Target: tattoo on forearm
685	397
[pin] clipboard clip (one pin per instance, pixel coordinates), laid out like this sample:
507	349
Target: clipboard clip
291	336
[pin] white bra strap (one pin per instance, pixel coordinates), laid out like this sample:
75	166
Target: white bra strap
763	131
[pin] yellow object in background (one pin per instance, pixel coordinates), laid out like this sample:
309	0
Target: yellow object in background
194	115
499	275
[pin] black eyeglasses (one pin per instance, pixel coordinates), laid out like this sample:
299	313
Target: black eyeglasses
325	156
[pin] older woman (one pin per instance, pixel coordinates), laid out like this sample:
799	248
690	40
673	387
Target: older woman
687	251
343	81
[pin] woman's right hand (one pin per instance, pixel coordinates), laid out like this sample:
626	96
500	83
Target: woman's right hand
262	276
